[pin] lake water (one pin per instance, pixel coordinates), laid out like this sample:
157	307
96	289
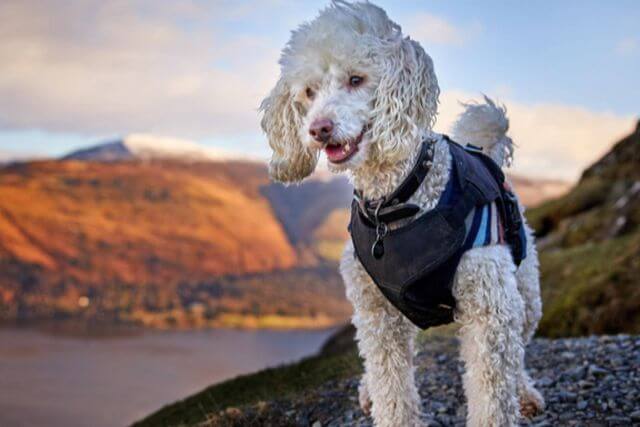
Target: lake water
49	380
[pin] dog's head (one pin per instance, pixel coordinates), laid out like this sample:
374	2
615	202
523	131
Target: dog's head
352	85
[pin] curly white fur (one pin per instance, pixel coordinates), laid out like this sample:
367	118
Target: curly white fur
394	109
485	126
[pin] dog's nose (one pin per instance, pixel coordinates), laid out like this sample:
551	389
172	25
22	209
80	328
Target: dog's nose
321	130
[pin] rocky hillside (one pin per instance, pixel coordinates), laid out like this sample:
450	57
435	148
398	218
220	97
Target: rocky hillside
589	241
590	381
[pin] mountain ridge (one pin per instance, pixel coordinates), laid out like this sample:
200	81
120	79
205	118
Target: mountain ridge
146	146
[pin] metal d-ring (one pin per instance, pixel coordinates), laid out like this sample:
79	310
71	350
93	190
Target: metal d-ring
377	249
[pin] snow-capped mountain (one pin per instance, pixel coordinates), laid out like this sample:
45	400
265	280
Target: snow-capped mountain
145	146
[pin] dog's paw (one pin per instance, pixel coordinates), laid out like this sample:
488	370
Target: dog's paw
531	403
364	398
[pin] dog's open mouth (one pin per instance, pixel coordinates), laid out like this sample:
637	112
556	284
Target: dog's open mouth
340	152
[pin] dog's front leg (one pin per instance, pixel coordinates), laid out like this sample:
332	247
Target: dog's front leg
386	343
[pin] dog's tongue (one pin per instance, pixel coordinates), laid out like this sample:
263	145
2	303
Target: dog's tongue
340	153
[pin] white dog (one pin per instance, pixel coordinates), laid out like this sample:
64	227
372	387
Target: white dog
353	86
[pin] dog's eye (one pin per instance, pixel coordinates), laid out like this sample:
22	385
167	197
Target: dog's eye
355	81
310	93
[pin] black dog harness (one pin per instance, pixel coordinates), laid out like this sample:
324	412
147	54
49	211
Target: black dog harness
413	259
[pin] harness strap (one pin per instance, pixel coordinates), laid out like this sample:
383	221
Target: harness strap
394	206
414	180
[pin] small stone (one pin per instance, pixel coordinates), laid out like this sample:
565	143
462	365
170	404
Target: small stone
576	374
444	420
582	405
618	419
567	396
597	371
539	418
635	416
545	382
585	384
616	361
316	424
431	422
566	416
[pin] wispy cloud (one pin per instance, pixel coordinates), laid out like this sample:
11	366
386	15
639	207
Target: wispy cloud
627	46
432	29
553	140
95	67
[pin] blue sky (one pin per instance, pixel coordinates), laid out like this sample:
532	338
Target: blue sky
565	52
75	73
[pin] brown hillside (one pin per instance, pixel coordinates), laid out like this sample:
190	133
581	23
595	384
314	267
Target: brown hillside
69	228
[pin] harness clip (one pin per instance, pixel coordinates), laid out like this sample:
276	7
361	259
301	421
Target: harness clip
377	249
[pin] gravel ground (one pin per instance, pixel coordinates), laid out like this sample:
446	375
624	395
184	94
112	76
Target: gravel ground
592	381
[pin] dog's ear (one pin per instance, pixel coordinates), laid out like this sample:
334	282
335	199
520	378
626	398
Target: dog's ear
406	99
291	161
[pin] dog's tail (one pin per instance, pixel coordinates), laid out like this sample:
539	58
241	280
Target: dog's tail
485	125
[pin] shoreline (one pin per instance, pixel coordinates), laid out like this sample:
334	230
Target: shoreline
93	328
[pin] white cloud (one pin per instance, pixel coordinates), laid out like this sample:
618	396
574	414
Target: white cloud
431	29
553	140
627	46
103	67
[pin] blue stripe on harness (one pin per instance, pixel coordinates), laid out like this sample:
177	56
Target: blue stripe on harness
482	231
480	228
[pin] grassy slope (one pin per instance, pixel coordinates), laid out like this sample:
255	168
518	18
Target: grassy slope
592	288
269	384
590	249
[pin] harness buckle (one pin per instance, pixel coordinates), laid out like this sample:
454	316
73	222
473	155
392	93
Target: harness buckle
377	249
